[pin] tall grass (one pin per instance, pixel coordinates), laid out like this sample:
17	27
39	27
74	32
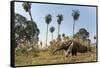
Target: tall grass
46	57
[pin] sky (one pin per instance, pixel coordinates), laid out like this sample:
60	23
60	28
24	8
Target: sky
86	20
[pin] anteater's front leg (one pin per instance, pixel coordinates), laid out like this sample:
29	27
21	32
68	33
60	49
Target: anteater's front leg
67	52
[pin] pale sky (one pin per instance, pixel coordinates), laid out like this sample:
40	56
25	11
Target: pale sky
86	20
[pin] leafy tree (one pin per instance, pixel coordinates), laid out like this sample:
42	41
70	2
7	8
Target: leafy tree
89	41
75	14
29	29
59	20
23	29
83	33
77	36
52	29
19	27
47	20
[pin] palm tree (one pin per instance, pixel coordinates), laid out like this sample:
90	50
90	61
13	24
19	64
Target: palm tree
47	20
52	29
75	14
27	7
59	20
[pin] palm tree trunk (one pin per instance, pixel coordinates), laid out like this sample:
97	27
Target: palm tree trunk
73	27
30	15
32	24
58	29
47	35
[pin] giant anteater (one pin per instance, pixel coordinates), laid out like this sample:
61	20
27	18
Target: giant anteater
72	47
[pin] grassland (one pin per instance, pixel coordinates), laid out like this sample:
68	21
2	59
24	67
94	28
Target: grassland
45	57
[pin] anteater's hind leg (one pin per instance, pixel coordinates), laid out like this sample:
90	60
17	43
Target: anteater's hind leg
69	50
74	53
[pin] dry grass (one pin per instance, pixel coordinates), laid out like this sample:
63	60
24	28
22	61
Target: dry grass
45	57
